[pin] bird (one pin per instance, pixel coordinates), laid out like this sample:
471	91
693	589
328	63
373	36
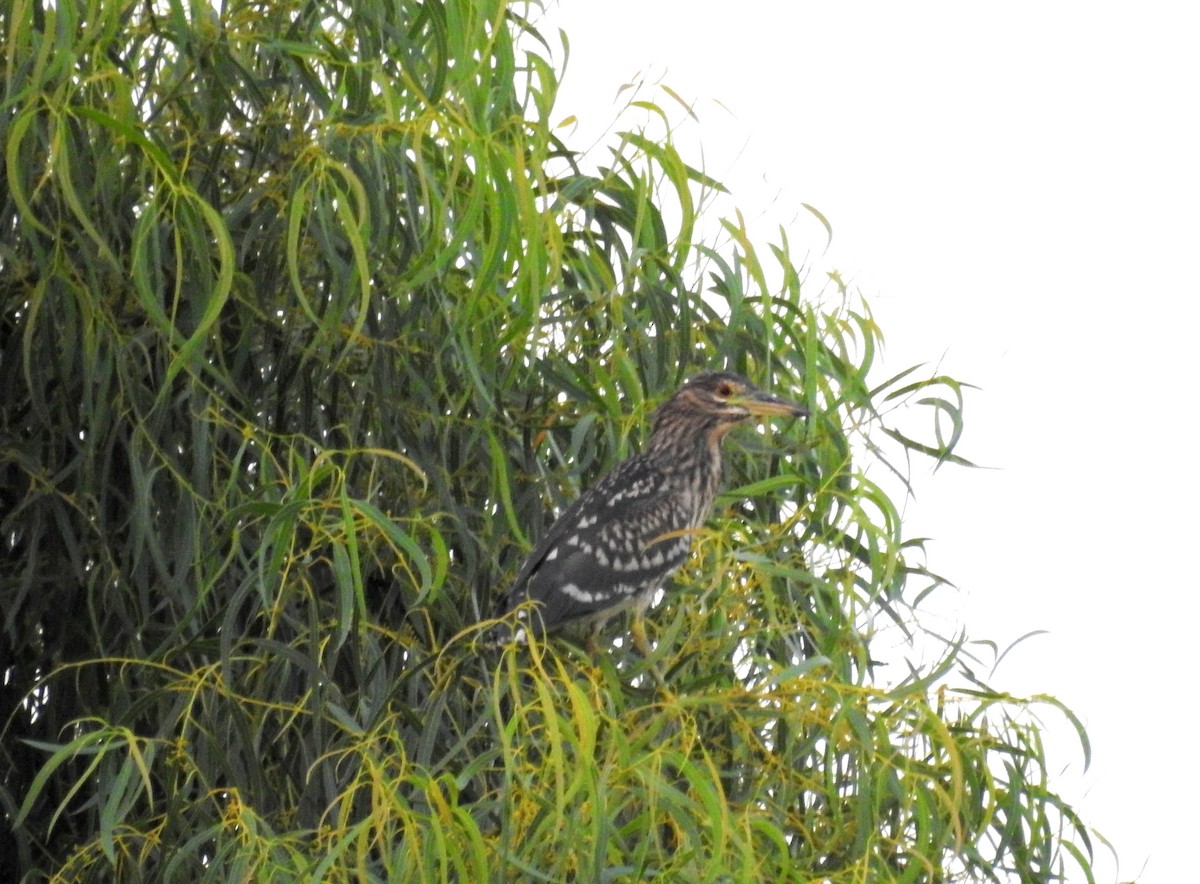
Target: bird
614	547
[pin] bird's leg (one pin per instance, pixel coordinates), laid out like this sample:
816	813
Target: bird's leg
637	623
637	630
591	644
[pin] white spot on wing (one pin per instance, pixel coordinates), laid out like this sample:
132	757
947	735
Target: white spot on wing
580	595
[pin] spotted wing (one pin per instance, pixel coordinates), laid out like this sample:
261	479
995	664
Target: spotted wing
621	538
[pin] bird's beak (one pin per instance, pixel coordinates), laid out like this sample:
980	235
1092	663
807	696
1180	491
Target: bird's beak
762	404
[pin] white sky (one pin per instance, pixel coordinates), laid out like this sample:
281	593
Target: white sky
1015	188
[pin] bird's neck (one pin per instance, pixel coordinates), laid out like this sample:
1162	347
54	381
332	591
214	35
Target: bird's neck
691	459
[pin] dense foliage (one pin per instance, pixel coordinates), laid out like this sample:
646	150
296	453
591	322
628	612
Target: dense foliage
309	321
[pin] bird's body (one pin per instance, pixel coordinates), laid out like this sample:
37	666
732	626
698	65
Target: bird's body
619	541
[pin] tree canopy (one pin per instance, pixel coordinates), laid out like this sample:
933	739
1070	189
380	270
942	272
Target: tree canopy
311	317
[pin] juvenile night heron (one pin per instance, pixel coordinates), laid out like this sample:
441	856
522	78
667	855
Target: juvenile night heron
616	545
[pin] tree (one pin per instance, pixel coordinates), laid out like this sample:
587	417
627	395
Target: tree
308	322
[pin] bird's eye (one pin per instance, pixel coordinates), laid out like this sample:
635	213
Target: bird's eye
725	391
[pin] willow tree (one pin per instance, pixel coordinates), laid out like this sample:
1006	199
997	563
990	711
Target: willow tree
309	322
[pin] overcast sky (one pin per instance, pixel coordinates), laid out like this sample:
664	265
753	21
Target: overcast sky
1015	189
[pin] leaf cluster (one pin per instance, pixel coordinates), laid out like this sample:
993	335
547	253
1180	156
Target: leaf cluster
309	320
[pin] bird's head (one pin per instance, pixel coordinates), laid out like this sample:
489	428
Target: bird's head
731	398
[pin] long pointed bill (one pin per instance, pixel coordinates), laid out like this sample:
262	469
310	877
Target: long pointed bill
764	404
